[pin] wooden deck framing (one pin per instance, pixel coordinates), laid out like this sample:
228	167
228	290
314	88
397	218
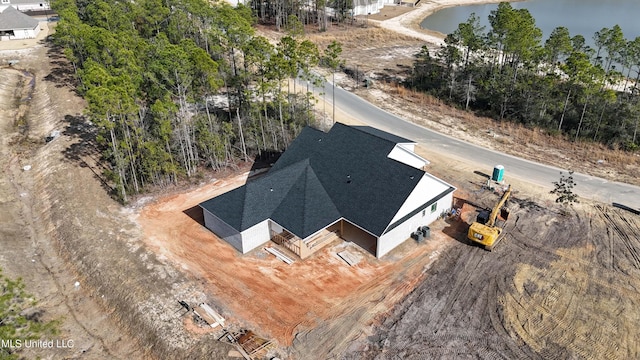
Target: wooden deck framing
304	248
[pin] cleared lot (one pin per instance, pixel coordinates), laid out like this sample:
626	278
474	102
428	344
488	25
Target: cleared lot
279	300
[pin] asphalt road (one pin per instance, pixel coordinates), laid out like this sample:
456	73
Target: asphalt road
587	186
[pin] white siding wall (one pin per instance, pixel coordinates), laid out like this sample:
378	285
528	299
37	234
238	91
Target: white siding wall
25	6
372	8
428	188
402	232
23	34
223	230
275	227
255	236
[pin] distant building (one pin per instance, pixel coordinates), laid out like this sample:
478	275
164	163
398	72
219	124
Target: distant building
25	5
355	182
15	25
368	7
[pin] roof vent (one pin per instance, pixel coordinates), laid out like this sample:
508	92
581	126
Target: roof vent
271	189
411	177
348	179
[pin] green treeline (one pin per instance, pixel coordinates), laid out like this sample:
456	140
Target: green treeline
174	85
561	85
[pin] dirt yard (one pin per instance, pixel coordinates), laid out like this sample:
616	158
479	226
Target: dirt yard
557	286
258	291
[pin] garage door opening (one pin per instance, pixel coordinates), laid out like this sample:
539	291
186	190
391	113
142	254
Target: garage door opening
354	234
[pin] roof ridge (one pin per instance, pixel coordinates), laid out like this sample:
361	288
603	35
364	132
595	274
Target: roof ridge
380	134
312	172
281	198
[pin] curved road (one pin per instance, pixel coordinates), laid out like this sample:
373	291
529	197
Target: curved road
543	175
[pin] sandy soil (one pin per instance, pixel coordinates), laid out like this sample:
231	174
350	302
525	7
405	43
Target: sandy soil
28	246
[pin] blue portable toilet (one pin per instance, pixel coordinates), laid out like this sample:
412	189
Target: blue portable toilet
498	173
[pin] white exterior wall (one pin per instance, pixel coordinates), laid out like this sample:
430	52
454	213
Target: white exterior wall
222	230
402	232
255	236
275	227
428	188
404	154
372	8
26	6
22	34
26	34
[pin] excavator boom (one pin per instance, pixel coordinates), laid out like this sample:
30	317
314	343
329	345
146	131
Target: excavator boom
496	209
487	234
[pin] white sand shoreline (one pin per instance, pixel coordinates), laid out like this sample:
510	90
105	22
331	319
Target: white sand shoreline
409	23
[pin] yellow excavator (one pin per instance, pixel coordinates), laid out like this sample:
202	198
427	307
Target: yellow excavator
486	232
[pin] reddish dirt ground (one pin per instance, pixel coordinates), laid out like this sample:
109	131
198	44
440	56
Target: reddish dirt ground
261	292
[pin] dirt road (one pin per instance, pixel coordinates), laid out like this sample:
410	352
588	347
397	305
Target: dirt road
26	234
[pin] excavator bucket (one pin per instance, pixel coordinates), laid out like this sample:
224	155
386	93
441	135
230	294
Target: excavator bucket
504	213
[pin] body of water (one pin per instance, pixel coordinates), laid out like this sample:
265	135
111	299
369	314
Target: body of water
583	17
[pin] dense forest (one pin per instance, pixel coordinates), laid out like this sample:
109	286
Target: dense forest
561	85
177	85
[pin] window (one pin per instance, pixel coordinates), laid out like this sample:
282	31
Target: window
434	207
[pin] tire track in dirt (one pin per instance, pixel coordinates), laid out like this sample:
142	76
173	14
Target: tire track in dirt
546	320
555	288
552	319
622	232
498	325
570	262
471	262
606	278
347	313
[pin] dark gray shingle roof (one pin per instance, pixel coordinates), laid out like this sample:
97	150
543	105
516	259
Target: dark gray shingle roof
320	178
12	19
383	134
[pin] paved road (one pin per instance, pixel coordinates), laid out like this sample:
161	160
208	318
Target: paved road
543	175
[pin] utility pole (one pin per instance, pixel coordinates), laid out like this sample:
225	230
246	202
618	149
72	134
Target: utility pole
333	94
